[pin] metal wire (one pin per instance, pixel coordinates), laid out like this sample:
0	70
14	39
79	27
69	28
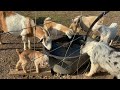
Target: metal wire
57	48
34	44
80	51
71	41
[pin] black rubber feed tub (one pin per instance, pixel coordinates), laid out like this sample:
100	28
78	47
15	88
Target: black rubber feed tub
72	61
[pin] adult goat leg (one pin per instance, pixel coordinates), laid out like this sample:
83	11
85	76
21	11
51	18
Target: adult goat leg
24	39
29	46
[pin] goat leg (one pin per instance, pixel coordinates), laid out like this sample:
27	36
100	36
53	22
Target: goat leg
0	40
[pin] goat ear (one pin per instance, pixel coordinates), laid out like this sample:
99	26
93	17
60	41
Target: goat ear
48	18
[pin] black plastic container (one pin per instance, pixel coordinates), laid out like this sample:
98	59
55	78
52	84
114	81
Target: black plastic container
64	60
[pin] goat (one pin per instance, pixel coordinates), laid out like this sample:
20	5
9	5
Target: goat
84	23
56	30
39	59
19	25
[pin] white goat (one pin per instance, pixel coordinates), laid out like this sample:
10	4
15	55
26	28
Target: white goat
19	25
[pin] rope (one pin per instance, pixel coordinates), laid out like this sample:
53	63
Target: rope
100	16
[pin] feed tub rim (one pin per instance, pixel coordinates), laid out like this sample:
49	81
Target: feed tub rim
59	57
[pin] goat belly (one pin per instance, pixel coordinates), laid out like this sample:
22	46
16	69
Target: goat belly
14	24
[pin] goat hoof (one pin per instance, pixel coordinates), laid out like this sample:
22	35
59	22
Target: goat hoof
87	74
25	49
37	72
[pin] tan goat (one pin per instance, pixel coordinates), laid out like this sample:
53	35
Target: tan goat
39	59
56	30
84	23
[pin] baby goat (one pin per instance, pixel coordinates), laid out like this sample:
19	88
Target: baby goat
39	59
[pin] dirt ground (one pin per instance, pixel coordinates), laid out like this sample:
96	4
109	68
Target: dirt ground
9	58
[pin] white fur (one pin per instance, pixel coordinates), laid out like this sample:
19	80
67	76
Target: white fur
69	33
46	60
47	44
47	19
107	34
76	18
101	55
15	24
